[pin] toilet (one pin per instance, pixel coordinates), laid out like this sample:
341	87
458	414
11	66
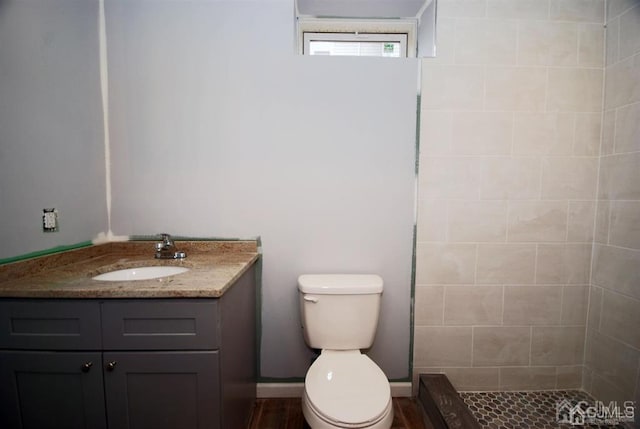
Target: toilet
343	387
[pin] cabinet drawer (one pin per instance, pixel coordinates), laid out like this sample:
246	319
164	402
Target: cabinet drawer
160	325
50	325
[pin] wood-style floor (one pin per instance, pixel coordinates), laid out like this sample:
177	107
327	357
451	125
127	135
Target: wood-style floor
286	413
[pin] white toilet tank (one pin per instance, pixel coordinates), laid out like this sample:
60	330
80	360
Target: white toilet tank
340	311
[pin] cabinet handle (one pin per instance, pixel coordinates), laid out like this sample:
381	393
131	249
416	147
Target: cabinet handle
111	365
87	366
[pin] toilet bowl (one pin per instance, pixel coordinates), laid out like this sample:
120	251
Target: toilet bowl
346	389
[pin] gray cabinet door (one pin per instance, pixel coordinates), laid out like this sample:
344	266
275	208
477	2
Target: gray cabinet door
51	390
162	390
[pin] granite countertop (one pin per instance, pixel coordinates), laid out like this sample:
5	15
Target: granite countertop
213	267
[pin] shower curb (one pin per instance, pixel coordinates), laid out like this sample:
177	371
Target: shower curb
443	407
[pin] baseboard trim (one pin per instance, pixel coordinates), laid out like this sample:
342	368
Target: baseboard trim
295	390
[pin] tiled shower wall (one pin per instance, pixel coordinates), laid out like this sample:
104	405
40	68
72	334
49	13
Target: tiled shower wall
613	335
509	146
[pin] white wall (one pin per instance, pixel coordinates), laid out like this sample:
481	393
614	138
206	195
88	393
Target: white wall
51	140
218	129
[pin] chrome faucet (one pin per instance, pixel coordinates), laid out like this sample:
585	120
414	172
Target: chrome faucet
166	249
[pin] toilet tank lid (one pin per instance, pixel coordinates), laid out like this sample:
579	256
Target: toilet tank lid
340	284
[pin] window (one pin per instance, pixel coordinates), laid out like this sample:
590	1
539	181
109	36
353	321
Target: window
378	38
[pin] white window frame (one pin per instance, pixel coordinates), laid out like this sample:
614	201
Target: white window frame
358	30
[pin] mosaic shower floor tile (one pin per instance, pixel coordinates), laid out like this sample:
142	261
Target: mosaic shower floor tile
562	409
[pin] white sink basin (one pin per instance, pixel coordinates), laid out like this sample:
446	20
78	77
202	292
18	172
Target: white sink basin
140	273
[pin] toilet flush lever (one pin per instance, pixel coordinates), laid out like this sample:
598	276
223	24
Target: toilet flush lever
310	298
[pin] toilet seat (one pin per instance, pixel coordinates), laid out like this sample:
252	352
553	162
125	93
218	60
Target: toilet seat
347	389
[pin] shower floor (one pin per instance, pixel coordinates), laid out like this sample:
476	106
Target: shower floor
527	410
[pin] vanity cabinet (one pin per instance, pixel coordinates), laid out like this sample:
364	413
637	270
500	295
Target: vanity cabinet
129	363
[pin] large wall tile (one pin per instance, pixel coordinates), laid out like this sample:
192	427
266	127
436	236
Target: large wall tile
620	318
624	227
575	300
569	377
515	88
505	263
485	42
627	128
591	45
617	7
544	133
510	178
565	263
449	178
622	85
613	360
534	221
442	346
432	220
532	305
612	42
445	263
608	133
587	135
436	133
528	378
429	305
578	10
620	177
557	345
617	269
452	87
580	221
462	8
518	9
630	32
473	305
501	346
543	43
477	221
473	379
601	233
569	178
575	90
482	133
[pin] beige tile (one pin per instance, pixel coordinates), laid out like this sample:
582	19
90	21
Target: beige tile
505	263
428	305
473	379
575	300
608	132
481	41
618	7
471	221
569	377
518	9
587	135
446	33
620	318
432	220
510	178
607	391
558	345
630	32
473	305
622	85
462	8
569	178
543	43
624	227
574	90
445	263
449	178
601	233
533	221
566	263
436	131
620	177
594	310
515	88
532	305
527	378
612	41
452	87
612	360
544	133
578	10
627	128
442	346
482	133
591	45
580	221
617	269
501	346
